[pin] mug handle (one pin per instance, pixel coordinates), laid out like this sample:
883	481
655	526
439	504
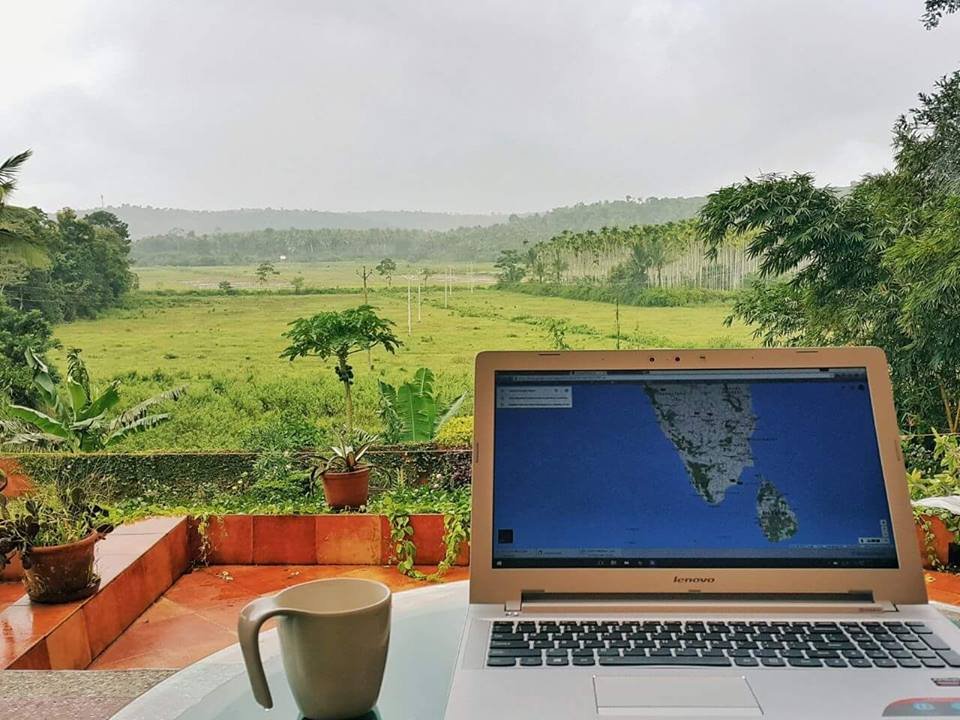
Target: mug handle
252	617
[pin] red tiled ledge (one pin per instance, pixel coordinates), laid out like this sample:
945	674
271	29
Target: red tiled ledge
342	539
137	564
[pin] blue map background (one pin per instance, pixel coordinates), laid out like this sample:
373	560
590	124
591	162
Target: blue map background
603	474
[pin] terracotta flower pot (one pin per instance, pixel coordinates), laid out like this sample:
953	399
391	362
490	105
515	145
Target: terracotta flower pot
62	573
346	489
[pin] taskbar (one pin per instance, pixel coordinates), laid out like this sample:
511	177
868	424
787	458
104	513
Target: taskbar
874	563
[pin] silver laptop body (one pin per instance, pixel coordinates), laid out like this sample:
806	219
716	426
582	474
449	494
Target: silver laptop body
695	534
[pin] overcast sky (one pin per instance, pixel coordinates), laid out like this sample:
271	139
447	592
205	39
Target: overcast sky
451	106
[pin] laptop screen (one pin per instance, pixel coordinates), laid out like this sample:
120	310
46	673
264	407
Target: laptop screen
676	468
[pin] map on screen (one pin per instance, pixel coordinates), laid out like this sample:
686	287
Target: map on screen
765	468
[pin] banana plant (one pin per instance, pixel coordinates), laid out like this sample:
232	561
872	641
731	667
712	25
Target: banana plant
72	416
411	412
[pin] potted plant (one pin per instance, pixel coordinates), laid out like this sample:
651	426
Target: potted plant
936	502
339	335
346	481
55	533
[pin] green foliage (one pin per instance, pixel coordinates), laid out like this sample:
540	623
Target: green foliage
345	456
172	479
556	331
510	265
339	335
945	480
936	9
265	270
635	296
411	413
50	516
88	268
225	348
18	250
404	501
458	432
279	477
225	287
72	416
19	332
387	268
876	266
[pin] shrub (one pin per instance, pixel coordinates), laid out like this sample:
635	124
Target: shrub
456	433
279	477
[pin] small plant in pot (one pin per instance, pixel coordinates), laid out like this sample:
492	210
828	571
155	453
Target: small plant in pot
55	532
337	336
346	480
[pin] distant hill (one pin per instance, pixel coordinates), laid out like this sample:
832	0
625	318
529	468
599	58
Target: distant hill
146	221
478	242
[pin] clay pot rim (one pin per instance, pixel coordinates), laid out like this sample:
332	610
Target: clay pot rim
90	539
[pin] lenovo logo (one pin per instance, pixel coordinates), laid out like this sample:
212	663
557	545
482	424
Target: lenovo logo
678	579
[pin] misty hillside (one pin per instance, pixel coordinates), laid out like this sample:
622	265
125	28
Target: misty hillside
463	243
146	221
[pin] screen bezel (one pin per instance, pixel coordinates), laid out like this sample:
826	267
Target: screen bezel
494	585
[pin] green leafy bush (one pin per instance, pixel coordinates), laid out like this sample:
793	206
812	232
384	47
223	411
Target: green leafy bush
278	476
946	480
456	433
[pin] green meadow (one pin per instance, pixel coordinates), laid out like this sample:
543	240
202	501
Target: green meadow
226	347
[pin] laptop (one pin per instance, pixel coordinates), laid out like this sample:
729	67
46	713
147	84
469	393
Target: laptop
695	534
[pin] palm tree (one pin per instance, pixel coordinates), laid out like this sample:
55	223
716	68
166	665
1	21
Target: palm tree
13	248
8	174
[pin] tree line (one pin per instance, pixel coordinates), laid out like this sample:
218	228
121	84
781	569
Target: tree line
52	270
668	255
477	243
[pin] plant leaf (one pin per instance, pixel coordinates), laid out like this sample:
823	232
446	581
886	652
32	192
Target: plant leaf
39	420
449	413
144	423
103	402
139	411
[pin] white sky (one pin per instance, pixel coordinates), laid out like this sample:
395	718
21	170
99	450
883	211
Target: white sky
451	106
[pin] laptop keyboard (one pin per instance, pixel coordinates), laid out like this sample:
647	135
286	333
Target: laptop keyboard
561	643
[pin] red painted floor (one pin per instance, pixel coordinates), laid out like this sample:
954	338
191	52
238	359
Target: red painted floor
10	592
198	615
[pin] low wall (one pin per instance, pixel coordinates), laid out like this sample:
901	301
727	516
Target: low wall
185	477
342	539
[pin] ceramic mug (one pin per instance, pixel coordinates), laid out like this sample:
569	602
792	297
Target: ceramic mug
333	643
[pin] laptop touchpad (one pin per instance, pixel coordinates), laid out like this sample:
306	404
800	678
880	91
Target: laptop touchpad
675	696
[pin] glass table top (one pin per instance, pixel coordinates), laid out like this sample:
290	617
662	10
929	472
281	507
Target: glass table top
423	647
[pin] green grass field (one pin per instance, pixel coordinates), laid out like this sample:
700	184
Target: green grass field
226	349
322	275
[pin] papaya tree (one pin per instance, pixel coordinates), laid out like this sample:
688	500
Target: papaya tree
72	415
339	335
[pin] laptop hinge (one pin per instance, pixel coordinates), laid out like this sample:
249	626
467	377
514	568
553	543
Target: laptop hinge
544	603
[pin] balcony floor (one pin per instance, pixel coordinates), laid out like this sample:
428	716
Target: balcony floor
198	615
